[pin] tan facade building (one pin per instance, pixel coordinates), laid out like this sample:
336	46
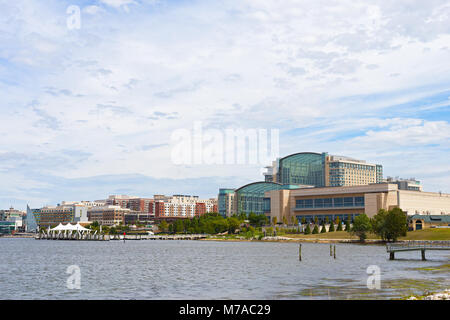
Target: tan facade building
109	215
350	201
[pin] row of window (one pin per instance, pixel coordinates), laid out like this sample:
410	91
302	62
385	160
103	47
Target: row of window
323	218
351	166
330	202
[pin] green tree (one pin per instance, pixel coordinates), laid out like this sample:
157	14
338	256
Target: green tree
95	224
324	229
339	224
303	220
163	226
316	220
233	224
390	225
274	220
285	222
316	229
361	225
307	229
293	220
331	229
347	225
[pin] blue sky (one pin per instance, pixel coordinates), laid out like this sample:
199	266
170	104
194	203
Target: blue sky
89	112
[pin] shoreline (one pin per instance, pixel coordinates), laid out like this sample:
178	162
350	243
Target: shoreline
267	239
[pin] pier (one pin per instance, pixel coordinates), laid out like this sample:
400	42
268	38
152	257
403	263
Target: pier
105	237
76	236
421	246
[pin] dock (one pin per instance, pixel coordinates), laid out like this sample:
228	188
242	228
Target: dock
421	246
105	237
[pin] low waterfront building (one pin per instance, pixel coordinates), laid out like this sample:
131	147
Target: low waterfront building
134	217
351	201
421	221
15	216
7	227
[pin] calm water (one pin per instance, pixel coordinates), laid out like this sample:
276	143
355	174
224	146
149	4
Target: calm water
32	269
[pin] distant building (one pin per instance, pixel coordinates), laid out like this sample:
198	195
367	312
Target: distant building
134	217
30	224
51	216
15	216
182	206
405	184
7	227
120	200
141	204
109	215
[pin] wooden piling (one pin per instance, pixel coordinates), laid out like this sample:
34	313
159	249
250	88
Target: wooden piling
423	255
335	251
331	250
300	252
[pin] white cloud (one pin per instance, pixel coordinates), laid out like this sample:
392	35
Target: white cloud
117	3
324	68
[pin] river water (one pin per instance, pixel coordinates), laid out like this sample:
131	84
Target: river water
32	269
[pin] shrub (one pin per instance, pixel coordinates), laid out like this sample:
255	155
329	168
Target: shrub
308	229
315	230
331	229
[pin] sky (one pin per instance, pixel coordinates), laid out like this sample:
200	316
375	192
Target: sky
91	111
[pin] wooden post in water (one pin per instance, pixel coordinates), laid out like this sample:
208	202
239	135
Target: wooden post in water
423	255
331	250
335	251
300	252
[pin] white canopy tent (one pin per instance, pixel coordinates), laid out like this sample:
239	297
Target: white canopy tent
70	227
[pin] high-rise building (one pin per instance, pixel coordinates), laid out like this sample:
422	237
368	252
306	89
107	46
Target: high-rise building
321	169
30	222
225	202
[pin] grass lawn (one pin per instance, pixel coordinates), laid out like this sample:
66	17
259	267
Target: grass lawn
328	235
426	234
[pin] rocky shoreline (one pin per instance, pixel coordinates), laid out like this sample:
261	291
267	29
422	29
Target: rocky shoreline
444	295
